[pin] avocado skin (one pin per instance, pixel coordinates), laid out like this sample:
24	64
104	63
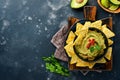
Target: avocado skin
74	4
115	2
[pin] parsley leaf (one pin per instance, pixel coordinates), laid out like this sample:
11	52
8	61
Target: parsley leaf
92	49
53	65
96	47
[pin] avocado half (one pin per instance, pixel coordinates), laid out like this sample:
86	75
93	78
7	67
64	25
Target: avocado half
78	3
115	2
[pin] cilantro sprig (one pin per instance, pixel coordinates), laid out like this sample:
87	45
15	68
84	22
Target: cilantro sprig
93	48
53	65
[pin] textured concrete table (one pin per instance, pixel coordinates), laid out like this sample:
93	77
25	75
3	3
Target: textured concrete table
26	28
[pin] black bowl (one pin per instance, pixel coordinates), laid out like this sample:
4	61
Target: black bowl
73	28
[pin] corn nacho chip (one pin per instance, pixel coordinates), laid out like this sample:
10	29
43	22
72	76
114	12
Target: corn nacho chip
101	61
70	38
109	53
77	32
108	32
110	42
91	65
69	49
97	24
79	39
79	26
83	30
74	59
87	24
81	63
104	26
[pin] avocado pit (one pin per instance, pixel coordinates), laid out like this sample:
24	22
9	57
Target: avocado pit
79	1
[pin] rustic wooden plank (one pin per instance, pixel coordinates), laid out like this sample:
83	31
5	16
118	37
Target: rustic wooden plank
90	13
103	67
72	20
108	22
88	10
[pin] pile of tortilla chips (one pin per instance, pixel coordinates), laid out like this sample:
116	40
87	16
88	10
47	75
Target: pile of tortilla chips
80	30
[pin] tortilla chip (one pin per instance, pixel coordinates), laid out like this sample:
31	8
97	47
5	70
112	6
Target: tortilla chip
108	32
104	26
87	24
91	65
101	61
70	38
83	29
97	24
109	53
81	63
79	39
77	32
110	42
60	54
69	49
73	59
79	26
83	32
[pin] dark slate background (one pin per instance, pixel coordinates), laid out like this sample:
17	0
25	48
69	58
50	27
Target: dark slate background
26	28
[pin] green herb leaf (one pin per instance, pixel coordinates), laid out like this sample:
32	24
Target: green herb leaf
92	49
97	47
53	65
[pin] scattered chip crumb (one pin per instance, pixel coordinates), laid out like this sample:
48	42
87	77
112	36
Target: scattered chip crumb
29	70
29	18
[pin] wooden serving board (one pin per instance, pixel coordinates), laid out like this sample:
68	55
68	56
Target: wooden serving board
90	13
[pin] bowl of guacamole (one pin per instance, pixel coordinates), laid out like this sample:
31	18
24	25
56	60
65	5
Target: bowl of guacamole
90	43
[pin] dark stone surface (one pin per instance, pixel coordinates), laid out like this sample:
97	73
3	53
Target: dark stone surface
26	28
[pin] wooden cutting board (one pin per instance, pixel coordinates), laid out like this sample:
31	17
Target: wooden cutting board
90	14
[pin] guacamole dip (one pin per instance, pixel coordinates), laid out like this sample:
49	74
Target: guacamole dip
92	45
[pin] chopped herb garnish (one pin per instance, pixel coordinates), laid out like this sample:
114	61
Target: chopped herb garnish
96	47
92	49
53	65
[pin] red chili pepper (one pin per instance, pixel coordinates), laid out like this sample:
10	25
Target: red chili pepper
91	43
88	45
89	40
